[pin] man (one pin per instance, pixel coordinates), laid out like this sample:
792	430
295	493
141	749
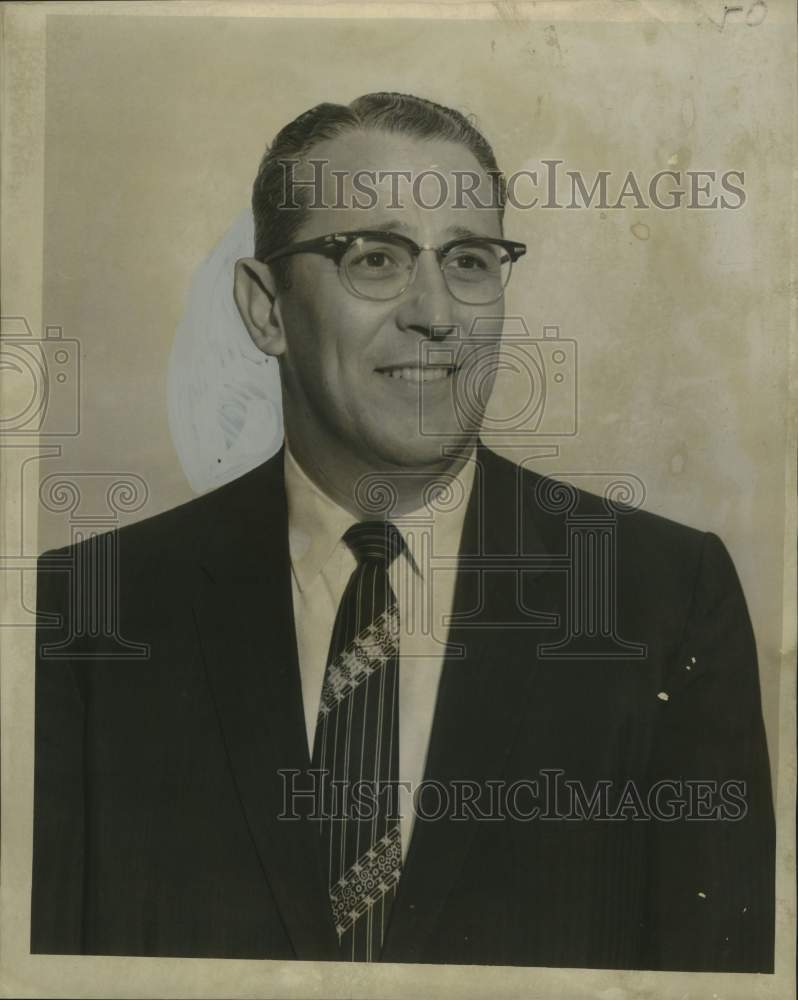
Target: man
570	687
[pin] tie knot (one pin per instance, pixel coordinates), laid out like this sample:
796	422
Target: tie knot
374	541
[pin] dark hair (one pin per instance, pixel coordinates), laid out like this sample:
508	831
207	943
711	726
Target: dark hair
389	112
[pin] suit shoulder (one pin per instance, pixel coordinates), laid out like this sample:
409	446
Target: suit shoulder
658	562
552	503
170	531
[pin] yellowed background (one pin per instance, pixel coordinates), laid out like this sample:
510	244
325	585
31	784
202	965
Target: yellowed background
152	130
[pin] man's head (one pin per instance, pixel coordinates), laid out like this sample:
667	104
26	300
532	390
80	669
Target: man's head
362	330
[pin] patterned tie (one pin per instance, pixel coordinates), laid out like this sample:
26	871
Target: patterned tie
357	740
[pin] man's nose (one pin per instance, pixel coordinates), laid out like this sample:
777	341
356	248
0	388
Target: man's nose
427	307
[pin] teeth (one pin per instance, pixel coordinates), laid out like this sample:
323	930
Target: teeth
420	374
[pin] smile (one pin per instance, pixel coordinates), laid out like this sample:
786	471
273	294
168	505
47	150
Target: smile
414	373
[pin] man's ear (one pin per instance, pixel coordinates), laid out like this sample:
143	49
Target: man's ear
255	292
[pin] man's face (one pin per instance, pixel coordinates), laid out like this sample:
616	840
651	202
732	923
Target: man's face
350	366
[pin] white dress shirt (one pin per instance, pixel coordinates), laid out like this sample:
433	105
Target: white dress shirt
322	563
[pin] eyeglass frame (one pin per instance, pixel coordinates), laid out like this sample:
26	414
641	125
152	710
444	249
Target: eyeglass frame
335	245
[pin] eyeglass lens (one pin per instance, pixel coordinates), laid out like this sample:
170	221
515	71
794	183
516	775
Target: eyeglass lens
475	273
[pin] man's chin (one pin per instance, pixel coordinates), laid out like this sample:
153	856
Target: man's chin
425	452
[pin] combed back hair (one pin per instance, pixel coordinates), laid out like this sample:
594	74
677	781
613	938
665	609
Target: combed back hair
275	227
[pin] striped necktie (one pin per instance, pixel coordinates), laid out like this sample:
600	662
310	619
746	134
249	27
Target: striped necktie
356	746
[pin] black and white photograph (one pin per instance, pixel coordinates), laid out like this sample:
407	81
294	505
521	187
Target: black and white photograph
399	509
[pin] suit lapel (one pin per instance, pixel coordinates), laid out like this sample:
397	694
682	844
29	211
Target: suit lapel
481	695
244	614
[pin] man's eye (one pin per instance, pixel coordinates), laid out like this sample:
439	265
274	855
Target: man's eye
378	259
375	260
468	262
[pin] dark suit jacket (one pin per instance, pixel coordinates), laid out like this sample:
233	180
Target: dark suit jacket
156	786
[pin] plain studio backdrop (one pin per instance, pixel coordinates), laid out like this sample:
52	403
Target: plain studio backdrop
154	128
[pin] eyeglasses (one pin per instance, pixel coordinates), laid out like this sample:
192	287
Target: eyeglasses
380	265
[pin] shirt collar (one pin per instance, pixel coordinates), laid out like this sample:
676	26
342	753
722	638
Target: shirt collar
316	523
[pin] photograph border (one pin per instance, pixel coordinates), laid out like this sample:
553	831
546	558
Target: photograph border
23	974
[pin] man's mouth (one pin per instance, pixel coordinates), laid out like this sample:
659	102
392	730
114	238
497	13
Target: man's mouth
418	373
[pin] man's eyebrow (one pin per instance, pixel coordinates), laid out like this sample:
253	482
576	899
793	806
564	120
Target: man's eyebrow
389	225
467	233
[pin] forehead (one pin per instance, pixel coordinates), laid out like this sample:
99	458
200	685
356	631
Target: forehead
426	187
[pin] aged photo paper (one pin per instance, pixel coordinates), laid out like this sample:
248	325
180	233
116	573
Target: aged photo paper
648	153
